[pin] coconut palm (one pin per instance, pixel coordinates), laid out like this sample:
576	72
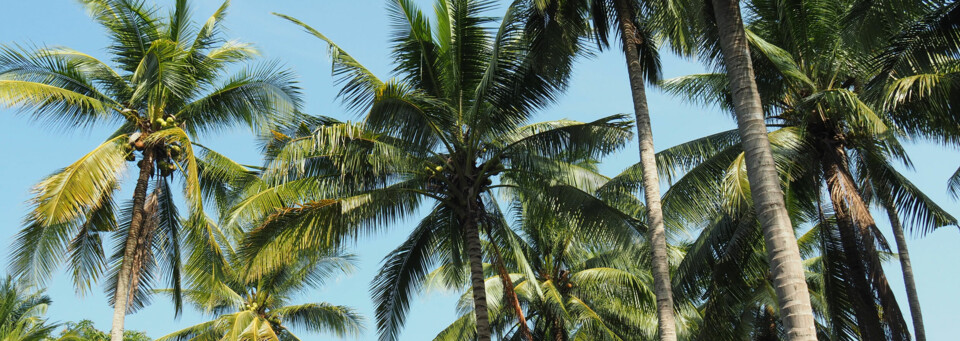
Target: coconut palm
21	312
168	88
725	270
714	190
918	75
259	308
640	25
833	116
86	331
443	129
784	255
640	50
593	288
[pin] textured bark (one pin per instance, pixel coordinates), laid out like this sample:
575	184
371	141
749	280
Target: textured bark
858	235
124	278
786	266
651	181
912	298
475	254
860	292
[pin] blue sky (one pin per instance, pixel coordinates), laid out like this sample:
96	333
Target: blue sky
599	88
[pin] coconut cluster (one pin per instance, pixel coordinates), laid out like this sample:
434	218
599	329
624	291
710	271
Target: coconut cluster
166	154
162	123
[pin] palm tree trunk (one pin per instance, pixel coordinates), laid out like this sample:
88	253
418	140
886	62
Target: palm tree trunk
475	254
859	290
558	333
122	294
858	236
786	266
509	292
908	282
651	181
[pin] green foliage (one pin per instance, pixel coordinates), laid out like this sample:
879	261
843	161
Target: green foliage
260	308
85	331
571	285
21	312
167	83
449	126
837	140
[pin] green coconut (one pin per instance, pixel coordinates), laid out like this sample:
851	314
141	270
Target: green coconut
166	168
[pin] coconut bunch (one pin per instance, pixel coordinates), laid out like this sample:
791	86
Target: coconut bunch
166	154
481	174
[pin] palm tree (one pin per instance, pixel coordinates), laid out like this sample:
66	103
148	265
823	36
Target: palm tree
21	313
85	331
785	262
919	88
713	189
845	120
725	271
839	119
639	24
593	288
166	91
258	308
443	129
643	63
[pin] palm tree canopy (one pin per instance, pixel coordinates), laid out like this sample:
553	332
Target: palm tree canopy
21	312
451	121
261	308
167	84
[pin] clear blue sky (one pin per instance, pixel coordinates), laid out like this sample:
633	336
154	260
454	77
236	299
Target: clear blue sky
599	88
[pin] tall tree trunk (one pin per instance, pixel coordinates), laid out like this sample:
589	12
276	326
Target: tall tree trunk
911	286
858	235
859	289
667	326
508	290
123	292
786	266
475	253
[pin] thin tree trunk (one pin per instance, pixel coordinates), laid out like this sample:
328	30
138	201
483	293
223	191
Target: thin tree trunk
786	266
509	292
475	253
651	181
911	286
122	294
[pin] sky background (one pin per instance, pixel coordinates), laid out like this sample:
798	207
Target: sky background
599	87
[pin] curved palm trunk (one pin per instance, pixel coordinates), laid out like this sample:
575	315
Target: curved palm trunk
786	266
124	278
509	292
651	181
475	254
907	269
857	235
